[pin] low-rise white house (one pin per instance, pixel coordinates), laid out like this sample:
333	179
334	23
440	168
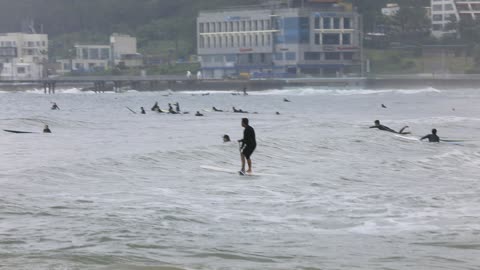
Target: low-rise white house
88	58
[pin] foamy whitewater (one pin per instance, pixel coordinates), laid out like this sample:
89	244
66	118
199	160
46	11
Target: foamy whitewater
110	189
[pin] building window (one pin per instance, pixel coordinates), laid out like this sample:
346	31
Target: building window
244	40
263	40
256	40
214	42
346	39
331	39
220	42
94	54
437	17
202	42
232	41
437	8
269	40
279	56
451	17
437	27
290	56
311	56
255	25
263	58
219	27
327	23
21	70
85	53
317	22
336	23
317	39
243	26
332	56
448	7
262	25
201	28
250	58
230	58
208	42
348	56
347	23
104	54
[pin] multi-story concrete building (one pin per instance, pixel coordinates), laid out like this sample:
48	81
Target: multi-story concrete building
23	56
311	37
446	12
124	51
88	58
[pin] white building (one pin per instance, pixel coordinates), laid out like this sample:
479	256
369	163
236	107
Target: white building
124	51
90	58
444	12
23	56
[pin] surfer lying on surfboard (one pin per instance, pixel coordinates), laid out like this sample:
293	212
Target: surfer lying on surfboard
385	128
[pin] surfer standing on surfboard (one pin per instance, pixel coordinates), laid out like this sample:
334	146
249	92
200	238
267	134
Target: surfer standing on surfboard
249	144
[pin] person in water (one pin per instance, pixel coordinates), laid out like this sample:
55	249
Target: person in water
170	109
385	128
238	111
46	129
432	137
198	114
55	106
177	107
142	110
245	91
226	138
248	146
216	110
286	100
155	107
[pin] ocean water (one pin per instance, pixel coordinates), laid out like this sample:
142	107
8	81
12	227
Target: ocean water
110	189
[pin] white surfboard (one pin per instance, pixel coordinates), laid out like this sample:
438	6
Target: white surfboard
408	138
233	171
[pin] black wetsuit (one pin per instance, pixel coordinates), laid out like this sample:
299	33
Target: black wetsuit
249	143
431	138
47	130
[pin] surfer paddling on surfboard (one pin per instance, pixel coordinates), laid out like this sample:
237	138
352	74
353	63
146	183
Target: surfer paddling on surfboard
385	128
249	144
432	137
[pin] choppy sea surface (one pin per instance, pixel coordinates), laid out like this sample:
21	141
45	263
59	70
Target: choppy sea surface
110	189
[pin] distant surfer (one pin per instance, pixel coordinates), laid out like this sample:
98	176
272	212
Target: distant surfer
142	110
238	111
170	109
216	110
245	91
383	106
286	100
226	138
156	107
385	128
46	129
248	146
55	107
432	137
277	113
198	114
177	107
